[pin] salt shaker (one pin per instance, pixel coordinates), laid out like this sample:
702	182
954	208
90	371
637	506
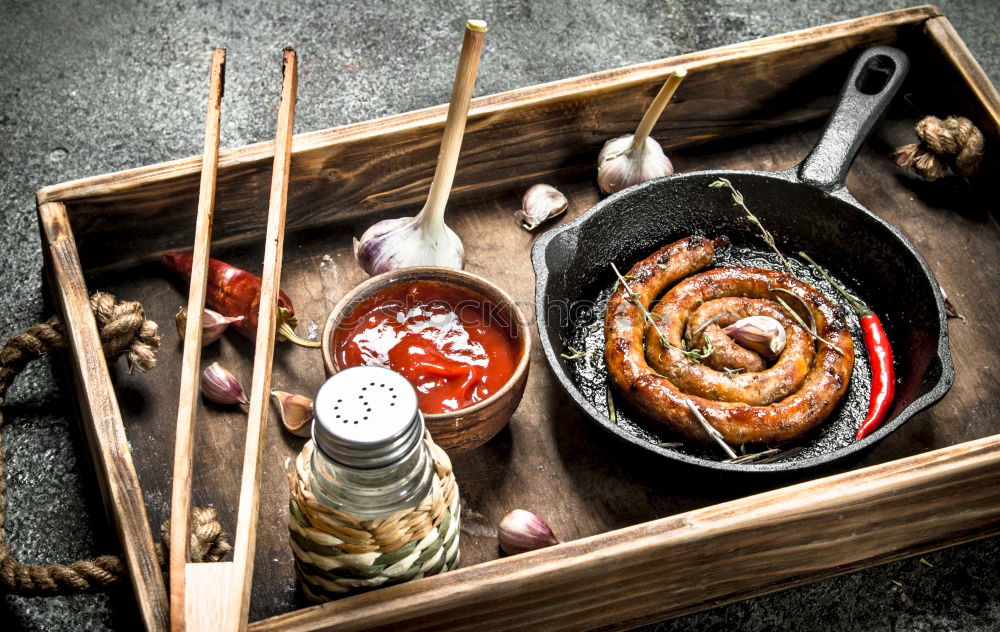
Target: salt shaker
373	499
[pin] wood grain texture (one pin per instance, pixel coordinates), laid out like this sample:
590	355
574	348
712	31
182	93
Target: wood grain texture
187	405
511	138
968	71
102	423
245	540
680	564
549	459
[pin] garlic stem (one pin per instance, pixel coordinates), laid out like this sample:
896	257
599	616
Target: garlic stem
432	214
656	108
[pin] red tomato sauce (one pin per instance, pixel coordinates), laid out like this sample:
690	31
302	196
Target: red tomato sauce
453	345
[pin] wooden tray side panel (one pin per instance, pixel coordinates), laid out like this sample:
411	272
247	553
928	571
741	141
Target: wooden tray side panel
102	418
700	559
967	69
517	136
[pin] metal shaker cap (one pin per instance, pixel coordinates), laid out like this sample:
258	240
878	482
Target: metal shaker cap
367	417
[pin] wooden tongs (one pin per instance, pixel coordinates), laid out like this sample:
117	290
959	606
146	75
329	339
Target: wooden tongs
215	596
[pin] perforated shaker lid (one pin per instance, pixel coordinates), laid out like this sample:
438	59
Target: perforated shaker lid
367	417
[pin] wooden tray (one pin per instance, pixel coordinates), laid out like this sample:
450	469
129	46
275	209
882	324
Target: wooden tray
644	541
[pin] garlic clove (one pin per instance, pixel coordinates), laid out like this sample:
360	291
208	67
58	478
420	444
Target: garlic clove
221	387
296	412
213	324
406	242
762	334
521	531
621	165
541	202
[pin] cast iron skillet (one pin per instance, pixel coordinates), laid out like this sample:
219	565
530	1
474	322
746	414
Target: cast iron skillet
806	208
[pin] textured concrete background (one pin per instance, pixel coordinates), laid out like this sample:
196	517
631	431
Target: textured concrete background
89	88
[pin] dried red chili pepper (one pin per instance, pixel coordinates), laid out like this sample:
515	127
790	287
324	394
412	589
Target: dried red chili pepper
232	291
879	357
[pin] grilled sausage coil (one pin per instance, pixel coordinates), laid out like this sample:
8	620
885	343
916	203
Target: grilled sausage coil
648	365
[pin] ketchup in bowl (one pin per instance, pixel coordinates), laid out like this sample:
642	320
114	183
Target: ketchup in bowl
453	346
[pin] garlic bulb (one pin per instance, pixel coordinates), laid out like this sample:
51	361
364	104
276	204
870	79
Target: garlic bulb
521	531
407	242
213	324
425	240
540	203
622	164
762	334
635	158
221	387
296	412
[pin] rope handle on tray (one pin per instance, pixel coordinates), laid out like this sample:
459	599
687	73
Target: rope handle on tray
124	330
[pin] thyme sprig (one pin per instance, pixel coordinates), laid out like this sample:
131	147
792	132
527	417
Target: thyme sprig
575	354
696	355
754	456
648	316
612	413
731	372
812	332
739	201
805	308
710	430
705	324
766	456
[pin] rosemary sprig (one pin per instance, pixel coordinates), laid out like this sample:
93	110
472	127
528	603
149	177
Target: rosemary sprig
575	354
670	444
612	413
766	234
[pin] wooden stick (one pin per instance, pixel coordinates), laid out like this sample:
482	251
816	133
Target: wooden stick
244	544
655	108
454	125
188	400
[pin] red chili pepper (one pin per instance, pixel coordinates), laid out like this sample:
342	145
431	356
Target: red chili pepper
883	373
234	292
879	357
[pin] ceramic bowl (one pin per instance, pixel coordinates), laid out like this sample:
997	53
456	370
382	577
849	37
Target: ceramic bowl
474	425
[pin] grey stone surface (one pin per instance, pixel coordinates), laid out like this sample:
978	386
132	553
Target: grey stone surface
90	87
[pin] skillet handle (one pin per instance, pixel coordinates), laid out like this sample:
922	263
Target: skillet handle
873	82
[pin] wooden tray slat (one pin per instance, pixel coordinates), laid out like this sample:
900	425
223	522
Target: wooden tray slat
707	557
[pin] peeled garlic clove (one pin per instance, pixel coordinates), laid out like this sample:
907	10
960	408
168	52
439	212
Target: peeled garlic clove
762	334
521	531
296	412
213	324
221	387
407	242
621	164
540	203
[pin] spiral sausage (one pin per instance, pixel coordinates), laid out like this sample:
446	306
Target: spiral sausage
761	405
